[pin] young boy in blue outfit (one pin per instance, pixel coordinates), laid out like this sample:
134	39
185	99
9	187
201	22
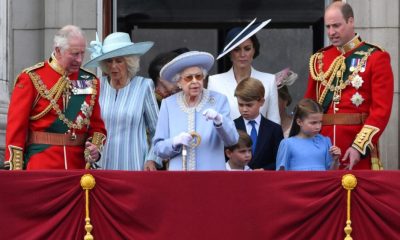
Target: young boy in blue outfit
265	134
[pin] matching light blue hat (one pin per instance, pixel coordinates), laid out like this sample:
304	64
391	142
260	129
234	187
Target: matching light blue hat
115	45
238	35
185	60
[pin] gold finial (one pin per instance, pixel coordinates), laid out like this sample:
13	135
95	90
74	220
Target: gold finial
87	183
349	182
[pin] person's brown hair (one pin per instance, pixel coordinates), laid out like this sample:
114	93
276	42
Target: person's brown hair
244	141
304	108
347	12
283	93
250	89
345	8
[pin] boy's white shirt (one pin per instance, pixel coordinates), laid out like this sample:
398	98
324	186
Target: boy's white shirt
248	125
228	167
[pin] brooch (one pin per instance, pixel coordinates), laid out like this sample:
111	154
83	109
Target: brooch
357	81
211	101
357	99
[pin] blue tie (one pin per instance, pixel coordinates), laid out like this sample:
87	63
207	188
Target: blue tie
253	135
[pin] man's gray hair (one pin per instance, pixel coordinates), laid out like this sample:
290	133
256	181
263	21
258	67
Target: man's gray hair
64	34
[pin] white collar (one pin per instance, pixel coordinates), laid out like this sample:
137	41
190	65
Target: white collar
257	119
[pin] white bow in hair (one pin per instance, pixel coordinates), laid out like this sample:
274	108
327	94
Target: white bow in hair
95	47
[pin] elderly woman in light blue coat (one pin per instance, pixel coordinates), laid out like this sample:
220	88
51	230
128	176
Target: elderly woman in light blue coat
193	114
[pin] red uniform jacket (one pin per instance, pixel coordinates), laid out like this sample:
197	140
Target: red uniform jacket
27	113
367	87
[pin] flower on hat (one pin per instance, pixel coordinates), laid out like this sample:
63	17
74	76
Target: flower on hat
115	45
95	47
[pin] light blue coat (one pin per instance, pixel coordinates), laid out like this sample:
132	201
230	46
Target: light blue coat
130	116
175	118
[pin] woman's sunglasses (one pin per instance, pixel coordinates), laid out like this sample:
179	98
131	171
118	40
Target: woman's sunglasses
189	78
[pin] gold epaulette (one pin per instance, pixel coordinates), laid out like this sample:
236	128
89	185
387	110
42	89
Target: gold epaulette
376	46
325	48
34	67
364	138
28	69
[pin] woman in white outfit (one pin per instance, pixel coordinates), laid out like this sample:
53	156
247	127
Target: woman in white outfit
243	46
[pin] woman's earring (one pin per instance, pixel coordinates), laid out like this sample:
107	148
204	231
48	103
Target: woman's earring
179	86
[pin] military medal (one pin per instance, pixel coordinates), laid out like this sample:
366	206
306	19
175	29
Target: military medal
86	109
363	67
354	64
81	87
357	99
357	81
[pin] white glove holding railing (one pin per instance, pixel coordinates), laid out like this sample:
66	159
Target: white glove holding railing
211	114
183	138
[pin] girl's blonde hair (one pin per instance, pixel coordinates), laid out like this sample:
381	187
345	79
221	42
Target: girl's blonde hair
303	108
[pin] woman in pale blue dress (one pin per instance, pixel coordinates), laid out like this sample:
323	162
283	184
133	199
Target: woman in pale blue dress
128	104
306	149
193	114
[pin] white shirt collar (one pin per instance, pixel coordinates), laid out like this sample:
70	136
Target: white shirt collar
257	119
228	167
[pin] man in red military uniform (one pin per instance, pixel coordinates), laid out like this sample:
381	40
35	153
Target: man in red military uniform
353	81
54	117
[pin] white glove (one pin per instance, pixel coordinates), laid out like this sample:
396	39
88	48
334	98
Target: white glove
183	138
211	114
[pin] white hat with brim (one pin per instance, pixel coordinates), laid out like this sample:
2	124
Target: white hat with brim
238	35
115	45
185	60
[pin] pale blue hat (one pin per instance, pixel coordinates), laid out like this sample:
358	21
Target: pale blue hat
185	60
115	45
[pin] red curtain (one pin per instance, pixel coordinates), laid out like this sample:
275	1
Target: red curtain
199	205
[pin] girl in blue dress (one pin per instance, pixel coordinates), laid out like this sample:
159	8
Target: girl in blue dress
306	149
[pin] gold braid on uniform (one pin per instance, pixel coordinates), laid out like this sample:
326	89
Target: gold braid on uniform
336	69
53	94
63	84
364	139
16	160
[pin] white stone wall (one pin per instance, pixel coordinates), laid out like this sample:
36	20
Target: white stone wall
4	94
34	23
378	22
